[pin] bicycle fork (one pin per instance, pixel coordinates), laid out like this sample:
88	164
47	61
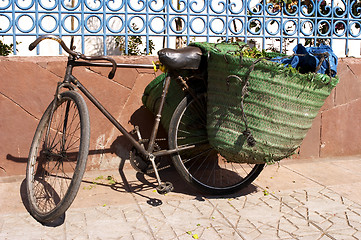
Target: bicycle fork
53	107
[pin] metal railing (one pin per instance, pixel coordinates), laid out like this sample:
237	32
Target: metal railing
116	23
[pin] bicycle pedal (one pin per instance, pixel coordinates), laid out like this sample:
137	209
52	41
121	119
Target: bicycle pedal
164	188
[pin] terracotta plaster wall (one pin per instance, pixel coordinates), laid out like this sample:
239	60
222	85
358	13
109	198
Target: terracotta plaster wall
27	85
336	130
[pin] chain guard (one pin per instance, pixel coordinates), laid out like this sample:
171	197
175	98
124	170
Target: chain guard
144	166
140	164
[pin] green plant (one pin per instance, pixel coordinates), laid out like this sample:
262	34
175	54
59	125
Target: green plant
253	52
99	177
5	49
111	180
134	43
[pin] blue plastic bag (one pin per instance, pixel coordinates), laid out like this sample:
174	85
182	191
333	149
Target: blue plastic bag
309	62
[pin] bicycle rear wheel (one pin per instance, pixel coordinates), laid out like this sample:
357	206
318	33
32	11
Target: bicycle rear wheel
57	157
202	166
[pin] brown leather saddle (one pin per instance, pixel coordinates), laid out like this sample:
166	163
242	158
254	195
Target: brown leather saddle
182	58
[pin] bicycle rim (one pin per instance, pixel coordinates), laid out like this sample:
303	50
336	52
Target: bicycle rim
57	157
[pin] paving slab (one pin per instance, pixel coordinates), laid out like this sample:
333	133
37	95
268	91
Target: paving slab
292	200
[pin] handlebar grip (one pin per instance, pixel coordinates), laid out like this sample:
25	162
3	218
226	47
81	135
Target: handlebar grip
105	58
114	68
41	38
75	54
111	74
55	38
32	46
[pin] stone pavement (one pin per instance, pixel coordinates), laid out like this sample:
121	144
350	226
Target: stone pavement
297	199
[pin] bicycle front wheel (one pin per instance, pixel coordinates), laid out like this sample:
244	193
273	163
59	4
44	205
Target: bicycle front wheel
57	157
201	165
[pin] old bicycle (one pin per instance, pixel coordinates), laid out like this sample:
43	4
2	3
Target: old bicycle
59	150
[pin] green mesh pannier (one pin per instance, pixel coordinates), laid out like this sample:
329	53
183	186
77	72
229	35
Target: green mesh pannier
152	95
259	112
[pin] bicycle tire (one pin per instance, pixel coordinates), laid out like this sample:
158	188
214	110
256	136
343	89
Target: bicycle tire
57	157
202	166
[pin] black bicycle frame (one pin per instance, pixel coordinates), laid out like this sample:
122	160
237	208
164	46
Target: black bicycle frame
69	78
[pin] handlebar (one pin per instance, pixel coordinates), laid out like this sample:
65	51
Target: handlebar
75	54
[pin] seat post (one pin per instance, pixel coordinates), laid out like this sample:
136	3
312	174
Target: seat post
159	114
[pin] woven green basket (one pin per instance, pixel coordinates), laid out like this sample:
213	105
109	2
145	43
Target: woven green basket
280	105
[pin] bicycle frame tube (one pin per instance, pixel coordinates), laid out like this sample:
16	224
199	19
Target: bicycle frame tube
109	116
122	65
70	78
159	114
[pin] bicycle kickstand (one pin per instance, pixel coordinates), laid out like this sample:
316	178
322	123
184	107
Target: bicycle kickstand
162	188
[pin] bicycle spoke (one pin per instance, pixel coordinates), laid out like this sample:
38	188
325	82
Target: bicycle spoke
202	166
58	125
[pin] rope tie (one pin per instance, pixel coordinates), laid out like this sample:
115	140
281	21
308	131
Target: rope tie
249	137
247	133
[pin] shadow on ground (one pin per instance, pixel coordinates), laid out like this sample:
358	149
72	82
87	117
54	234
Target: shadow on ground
57	222
144	120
